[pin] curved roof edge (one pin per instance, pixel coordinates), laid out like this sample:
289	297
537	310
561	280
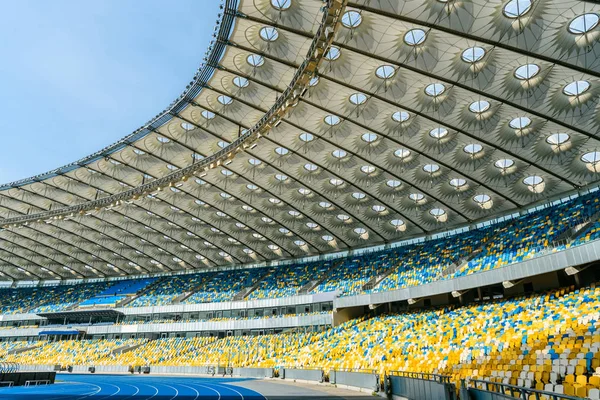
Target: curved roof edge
212	56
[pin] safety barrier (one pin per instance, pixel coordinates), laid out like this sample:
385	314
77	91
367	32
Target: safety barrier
254	372
419	386
9	367
477	389
37	382
27	378
363	379
314	375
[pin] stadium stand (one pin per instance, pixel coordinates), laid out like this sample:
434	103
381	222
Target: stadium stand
225	285
168	289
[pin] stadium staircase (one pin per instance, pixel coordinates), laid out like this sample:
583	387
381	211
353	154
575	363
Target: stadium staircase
324	276
463	261
242	294
148	288
374	281
575	231
125	349
24	349
179	299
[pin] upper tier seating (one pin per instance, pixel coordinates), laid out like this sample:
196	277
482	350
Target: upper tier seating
226	284
117	292
169	288
447	257
288	280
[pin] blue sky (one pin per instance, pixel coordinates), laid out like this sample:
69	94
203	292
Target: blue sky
77	75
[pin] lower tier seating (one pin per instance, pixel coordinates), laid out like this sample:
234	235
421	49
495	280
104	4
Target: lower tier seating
548	341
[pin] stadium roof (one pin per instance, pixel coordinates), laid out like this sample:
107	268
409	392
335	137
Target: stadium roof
314	127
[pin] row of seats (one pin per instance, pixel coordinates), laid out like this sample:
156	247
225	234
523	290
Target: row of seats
70	352
443	258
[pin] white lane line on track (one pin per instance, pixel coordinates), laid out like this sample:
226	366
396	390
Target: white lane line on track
115	393
209	388
189	387
133	386
176	391
233	390
153	387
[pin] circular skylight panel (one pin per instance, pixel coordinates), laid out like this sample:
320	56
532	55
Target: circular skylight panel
583	23
312	225
255	60
304	191
360	231
400	116
225	195
458	182
396	223
367	169
435	89
221	214
393	183
266	220
226	172
273	247
281	177
357	98
517	8
248	208
333	53
310	167
369	137
438	133
257	235
139	152
527	71
332	120
359	195
431	168
336	181
534	183
402	153
294	213
479	107
251	186
285	231
351	19
520	122
299	243
339	153
314	81
306	137
281	5
576	88
483	200
187	126
437	213
208	114
240	82
415	37
592	160
473	54
254	162
327	238
504	163
163	139
385	71
268	34
225	100
199	202
473	148
343	217
282	151
248	251
557	139
222	144
324	204
416	197
274	200
378	208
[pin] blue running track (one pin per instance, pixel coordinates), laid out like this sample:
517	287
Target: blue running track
133	387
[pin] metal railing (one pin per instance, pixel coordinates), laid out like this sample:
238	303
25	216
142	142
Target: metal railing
421	375
498	391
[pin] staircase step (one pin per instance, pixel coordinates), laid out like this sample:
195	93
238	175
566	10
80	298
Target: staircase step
324	276
242	294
